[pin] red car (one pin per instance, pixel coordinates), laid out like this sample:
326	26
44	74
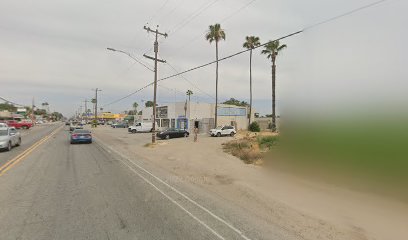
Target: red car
18	125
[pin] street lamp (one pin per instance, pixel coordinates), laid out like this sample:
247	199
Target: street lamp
132	57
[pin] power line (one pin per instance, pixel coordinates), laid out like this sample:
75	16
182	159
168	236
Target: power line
188	43
244	51
195	68
192	84
158	10
172	10
237	11
7	101
228	57
344	14
194	16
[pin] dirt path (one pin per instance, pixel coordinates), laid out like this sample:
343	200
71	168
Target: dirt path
308	210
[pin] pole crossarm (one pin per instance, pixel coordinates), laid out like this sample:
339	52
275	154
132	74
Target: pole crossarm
152	58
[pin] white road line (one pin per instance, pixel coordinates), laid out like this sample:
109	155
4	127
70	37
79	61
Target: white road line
174	201
177	191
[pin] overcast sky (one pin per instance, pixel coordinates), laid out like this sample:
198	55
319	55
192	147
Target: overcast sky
55	51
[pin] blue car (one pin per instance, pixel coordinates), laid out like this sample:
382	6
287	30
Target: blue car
81	136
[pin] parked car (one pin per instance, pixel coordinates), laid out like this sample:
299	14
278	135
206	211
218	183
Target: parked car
81	136
9	137
141	127
173	133
18	125
67	123
223	131
119	125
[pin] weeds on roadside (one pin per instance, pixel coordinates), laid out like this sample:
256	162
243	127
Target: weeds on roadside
267	142
247	149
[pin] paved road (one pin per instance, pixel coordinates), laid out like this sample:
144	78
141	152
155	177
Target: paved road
63	191
29	137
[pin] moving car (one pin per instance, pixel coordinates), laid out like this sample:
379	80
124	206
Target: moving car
173	133
81	136
18	125
74	126
9	137
119	125
223	131
141	127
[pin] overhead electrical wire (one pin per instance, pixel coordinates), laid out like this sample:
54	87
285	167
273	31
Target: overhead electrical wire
191	83
191	41
192	16
243	51
7	101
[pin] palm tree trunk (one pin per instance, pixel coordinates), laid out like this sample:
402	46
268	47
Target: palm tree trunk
216	83
273	93
250	86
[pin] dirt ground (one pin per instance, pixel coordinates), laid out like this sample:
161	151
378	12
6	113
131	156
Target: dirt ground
310	210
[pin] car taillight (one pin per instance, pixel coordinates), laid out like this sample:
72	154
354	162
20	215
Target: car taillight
74	135
88	135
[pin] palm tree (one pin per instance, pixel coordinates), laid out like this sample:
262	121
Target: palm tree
215	33
135	105
189	93
250	43
272	49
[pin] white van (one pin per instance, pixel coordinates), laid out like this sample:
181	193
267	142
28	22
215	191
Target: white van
141	127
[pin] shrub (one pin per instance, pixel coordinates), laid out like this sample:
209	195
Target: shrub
268	141
254	127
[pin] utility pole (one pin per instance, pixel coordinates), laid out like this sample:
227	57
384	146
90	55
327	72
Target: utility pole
96	106
156	50
86	110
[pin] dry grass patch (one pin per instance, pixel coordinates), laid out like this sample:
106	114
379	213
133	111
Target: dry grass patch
249	146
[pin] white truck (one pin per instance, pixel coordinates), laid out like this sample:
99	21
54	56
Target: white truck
141	127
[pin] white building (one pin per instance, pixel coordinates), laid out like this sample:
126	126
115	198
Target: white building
190	114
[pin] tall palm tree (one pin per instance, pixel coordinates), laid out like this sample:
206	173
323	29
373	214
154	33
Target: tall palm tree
189	93
135	105
215	34
272	49
250	43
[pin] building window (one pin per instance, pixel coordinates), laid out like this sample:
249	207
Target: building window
165	123
173	123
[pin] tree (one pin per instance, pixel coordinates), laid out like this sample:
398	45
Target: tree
135	105
46	106
149	104
250	43
8	107
215	34
271	50
41	112
189	93
233	101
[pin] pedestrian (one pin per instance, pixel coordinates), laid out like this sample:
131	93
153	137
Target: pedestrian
195	134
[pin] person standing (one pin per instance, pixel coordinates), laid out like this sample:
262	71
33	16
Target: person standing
195	134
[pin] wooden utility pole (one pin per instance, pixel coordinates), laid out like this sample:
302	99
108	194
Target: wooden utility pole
96	106
156	50
86	110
